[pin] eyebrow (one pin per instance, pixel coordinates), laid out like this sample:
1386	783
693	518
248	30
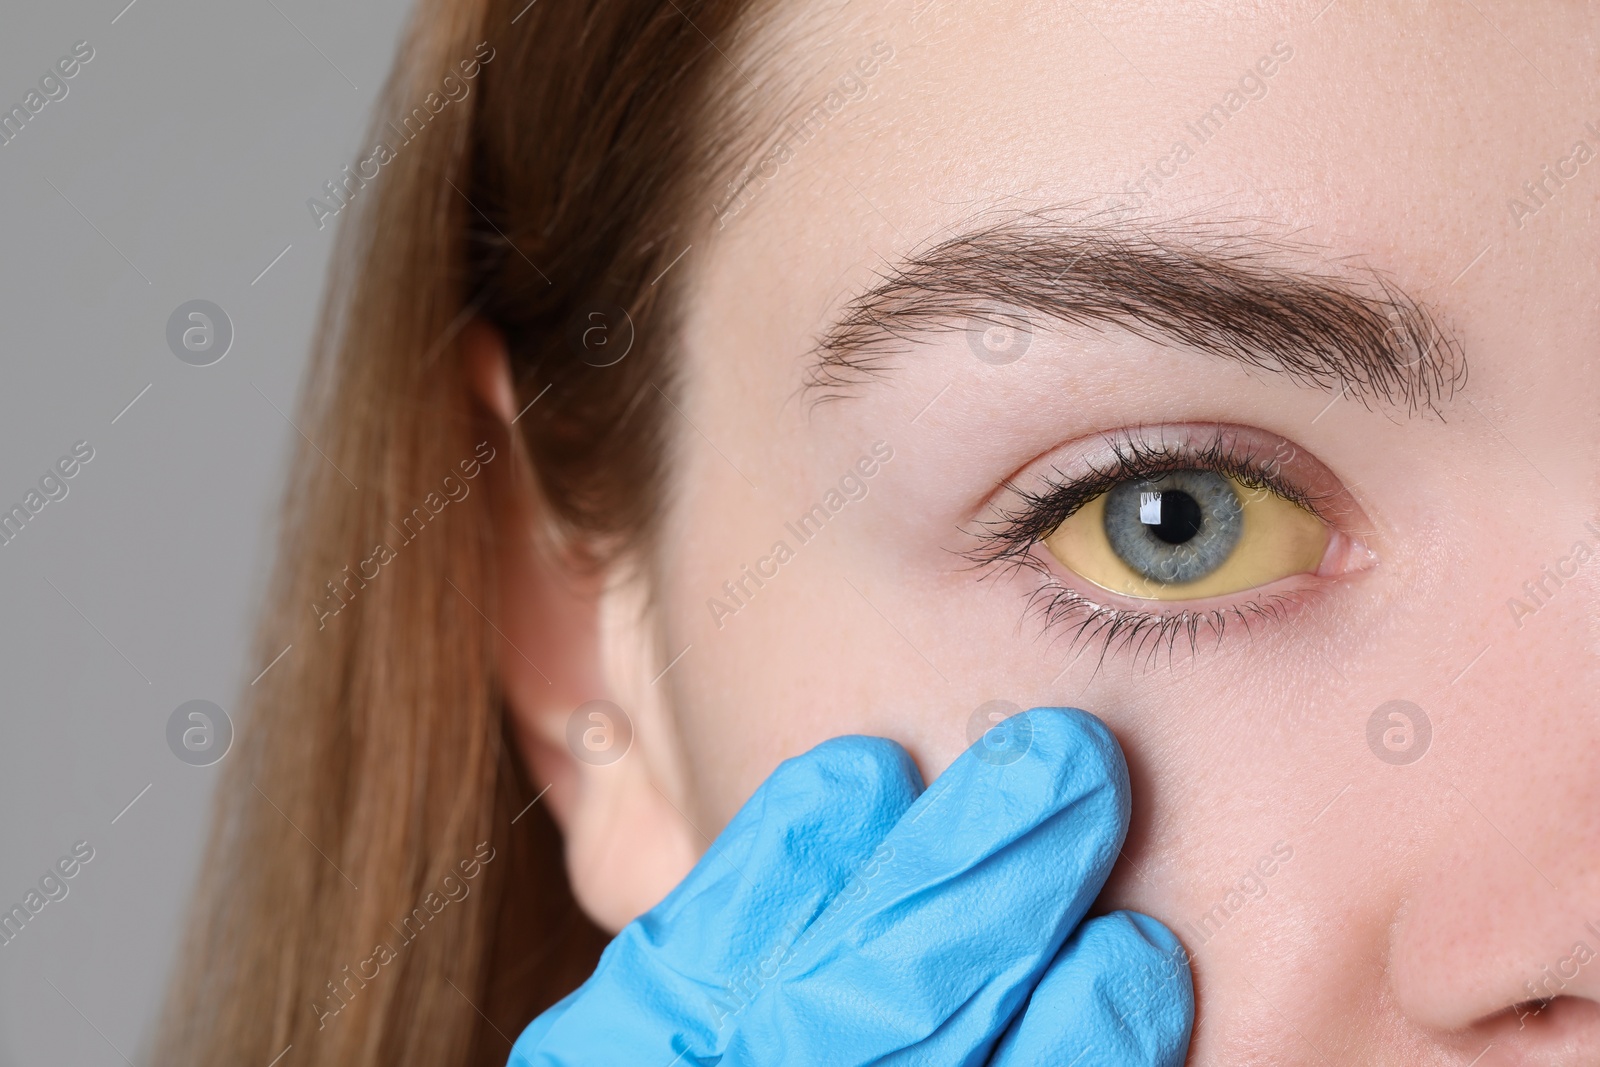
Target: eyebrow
1241	295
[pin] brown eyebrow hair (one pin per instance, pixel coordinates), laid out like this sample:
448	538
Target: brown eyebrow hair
1234	290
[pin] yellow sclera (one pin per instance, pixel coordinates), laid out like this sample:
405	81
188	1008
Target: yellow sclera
1279	539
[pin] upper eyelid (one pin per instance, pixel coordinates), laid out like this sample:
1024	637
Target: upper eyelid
1131	456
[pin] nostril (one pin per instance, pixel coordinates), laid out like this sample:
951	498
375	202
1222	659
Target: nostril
1530	1009
1539	1026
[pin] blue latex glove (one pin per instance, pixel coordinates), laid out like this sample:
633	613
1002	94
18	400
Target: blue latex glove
847	916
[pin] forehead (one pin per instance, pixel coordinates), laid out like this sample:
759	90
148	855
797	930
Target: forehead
1396	132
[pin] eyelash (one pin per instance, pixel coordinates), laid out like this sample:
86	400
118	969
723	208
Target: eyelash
1008	539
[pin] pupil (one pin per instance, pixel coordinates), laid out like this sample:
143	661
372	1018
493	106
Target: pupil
1180	517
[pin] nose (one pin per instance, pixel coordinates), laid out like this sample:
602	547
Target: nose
1488	946
1497	943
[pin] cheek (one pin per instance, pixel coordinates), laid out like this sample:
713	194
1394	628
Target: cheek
800	660
1391	865
828	640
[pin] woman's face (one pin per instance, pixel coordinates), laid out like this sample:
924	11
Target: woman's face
1214	185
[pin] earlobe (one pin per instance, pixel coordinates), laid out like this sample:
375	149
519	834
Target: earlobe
626	843
608	752
629	841
571	634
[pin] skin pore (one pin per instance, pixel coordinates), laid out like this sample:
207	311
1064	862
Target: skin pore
1413	912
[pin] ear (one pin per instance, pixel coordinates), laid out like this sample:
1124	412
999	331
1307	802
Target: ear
572	635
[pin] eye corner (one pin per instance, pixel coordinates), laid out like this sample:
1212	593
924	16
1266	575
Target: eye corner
1346	556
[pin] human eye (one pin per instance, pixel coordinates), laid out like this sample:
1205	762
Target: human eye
1145	535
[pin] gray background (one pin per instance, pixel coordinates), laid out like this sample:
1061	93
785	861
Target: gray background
189	143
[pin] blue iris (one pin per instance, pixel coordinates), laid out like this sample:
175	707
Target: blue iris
1175	528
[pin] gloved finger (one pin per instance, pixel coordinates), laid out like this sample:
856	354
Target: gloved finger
979	885
1118	995
676	974
791	847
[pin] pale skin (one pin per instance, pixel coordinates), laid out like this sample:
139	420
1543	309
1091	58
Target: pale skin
1425	904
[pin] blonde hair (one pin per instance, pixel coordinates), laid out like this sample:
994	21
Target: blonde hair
372	763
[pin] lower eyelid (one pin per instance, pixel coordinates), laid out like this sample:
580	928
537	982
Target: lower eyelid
1143	634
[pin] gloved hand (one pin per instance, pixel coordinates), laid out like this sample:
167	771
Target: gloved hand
847	916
